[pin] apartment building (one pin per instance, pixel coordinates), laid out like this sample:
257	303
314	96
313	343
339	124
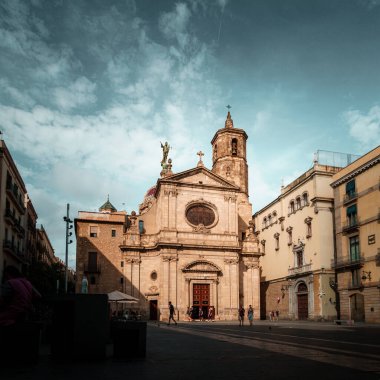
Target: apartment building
357	230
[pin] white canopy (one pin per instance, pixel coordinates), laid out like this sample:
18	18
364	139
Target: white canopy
117	296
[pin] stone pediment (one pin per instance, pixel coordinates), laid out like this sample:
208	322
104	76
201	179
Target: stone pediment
201	266
200	176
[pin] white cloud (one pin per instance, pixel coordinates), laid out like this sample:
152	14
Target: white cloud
364	128
145	91
78	93
222	3
21	98
174	24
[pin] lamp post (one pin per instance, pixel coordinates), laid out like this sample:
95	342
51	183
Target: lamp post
69	226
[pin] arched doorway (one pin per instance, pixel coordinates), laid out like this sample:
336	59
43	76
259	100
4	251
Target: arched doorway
302	301
357	307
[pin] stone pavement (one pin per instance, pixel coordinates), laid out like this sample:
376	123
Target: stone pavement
223	350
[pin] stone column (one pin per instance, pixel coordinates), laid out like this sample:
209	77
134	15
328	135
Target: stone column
233	284
169	282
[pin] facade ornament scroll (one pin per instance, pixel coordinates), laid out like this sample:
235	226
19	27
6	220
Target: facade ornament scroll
168	258
233	198
200	228
308	220
252	265
133	260
231	261
171	192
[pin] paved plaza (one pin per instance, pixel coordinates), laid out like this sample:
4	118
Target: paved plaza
216	350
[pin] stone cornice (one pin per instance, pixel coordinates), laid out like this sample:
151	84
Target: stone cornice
355	172
230	131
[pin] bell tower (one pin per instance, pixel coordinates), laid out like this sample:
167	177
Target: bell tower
229	158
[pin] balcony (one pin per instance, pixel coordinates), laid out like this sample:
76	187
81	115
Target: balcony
351	225
348	262
352	286
299	270
15	195
92	268
8	246
8	216
349	197
20	229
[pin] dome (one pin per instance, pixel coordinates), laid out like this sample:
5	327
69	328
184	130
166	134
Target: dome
107	206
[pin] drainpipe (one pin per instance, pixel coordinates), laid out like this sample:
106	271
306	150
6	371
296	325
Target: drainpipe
337	295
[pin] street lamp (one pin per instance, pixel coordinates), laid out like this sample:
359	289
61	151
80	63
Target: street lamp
69	226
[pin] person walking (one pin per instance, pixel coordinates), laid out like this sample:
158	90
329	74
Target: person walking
200	313
241	316
16	298
171	314
250	314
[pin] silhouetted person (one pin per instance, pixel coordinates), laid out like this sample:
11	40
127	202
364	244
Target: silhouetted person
171	313
16	298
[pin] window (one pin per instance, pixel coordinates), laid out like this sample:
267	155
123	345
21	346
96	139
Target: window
354	248
265	222
141	227
350	189
215	151
355	278
121	280
122	264
277	241
92	261
291	207
299	258
263	244
305	199
153	275
270	219
234	147
200	214
113	233
352	219
298	203
9	181
93	231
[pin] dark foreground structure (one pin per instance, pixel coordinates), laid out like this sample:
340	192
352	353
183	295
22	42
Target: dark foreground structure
267	350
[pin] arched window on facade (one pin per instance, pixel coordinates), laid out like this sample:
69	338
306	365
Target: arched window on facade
269	219
234	147
291	207
298	203
305	199
264	222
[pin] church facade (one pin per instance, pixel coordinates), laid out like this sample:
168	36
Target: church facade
192	242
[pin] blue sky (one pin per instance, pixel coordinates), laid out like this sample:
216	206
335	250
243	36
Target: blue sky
88	89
